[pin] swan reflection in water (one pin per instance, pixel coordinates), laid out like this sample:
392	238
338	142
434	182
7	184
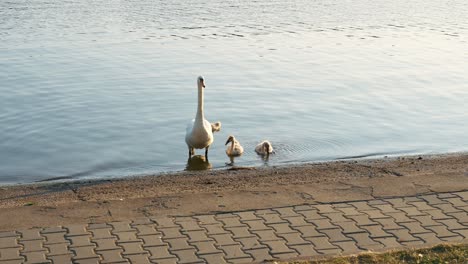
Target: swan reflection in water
198	162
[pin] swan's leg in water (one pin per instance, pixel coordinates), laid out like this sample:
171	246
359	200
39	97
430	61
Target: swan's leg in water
190	152
206	152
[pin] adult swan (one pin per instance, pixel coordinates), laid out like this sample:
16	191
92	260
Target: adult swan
200	132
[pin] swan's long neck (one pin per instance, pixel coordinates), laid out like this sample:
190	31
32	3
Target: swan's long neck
232	145
200	114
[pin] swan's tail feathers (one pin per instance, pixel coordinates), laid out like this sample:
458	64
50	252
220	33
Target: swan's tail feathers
216	127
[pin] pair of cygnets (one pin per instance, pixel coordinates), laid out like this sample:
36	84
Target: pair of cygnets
264	148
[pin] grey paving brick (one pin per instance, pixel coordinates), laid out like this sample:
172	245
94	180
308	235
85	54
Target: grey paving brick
462	232
138	259
305	250
99	233
197	235
215	229
67	258
10	254
132	248
240	232
362	206
234	252
224	240
297	221
172	232
206	219
214	258
365	242
415	228
144	230
445	195
54	238
246	216
412	211
386	208
463	195
98	226
309	231
294	239
375	214
260	254
452	224
178	244
336	217
272	219
437	214
112	256
122	226
400	217
160	253
167	222
187	256
84	252
447	208
432	199
266	235
250	243
283	228
398	202
462	217
153	240
389	242
286	212
142	221
335	235
426	220
257	225
232	222
32	245
80	241
403	235
31	234
322	224
349	211
57	249
376	231
321	243
54	229
36	257
350	227
362	220
348	247
9	234
278	247
206	247
429	238
442	231
422	206
8	242
76	230
325	208
127	236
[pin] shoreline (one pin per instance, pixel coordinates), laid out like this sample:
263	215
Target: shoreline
233	189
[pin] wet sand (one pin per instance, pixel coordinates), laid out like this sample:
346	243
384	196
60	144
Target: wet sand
235	189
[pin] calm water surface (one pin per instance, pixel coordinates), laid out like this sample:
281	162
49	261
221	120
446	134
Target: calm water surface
100	89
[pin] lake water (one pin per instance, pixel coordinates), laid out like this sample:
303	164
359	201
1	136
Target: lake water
101	89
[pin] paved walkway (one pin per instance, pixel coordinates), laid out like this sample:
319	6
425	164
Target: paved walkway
250	236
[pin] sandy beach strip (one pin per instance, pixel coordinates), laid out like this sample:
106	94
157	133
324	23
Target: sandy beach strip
235	189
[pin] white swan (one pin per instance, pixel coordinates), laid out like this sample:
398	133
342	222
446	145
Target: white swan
200	132
264	148
235	149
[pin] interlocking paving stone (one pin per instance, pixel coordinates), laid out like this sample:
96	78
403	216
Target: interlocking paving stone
253	235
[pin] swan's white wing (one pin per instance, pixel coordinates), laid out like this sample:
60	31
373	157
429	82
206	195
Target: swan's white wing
189	127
